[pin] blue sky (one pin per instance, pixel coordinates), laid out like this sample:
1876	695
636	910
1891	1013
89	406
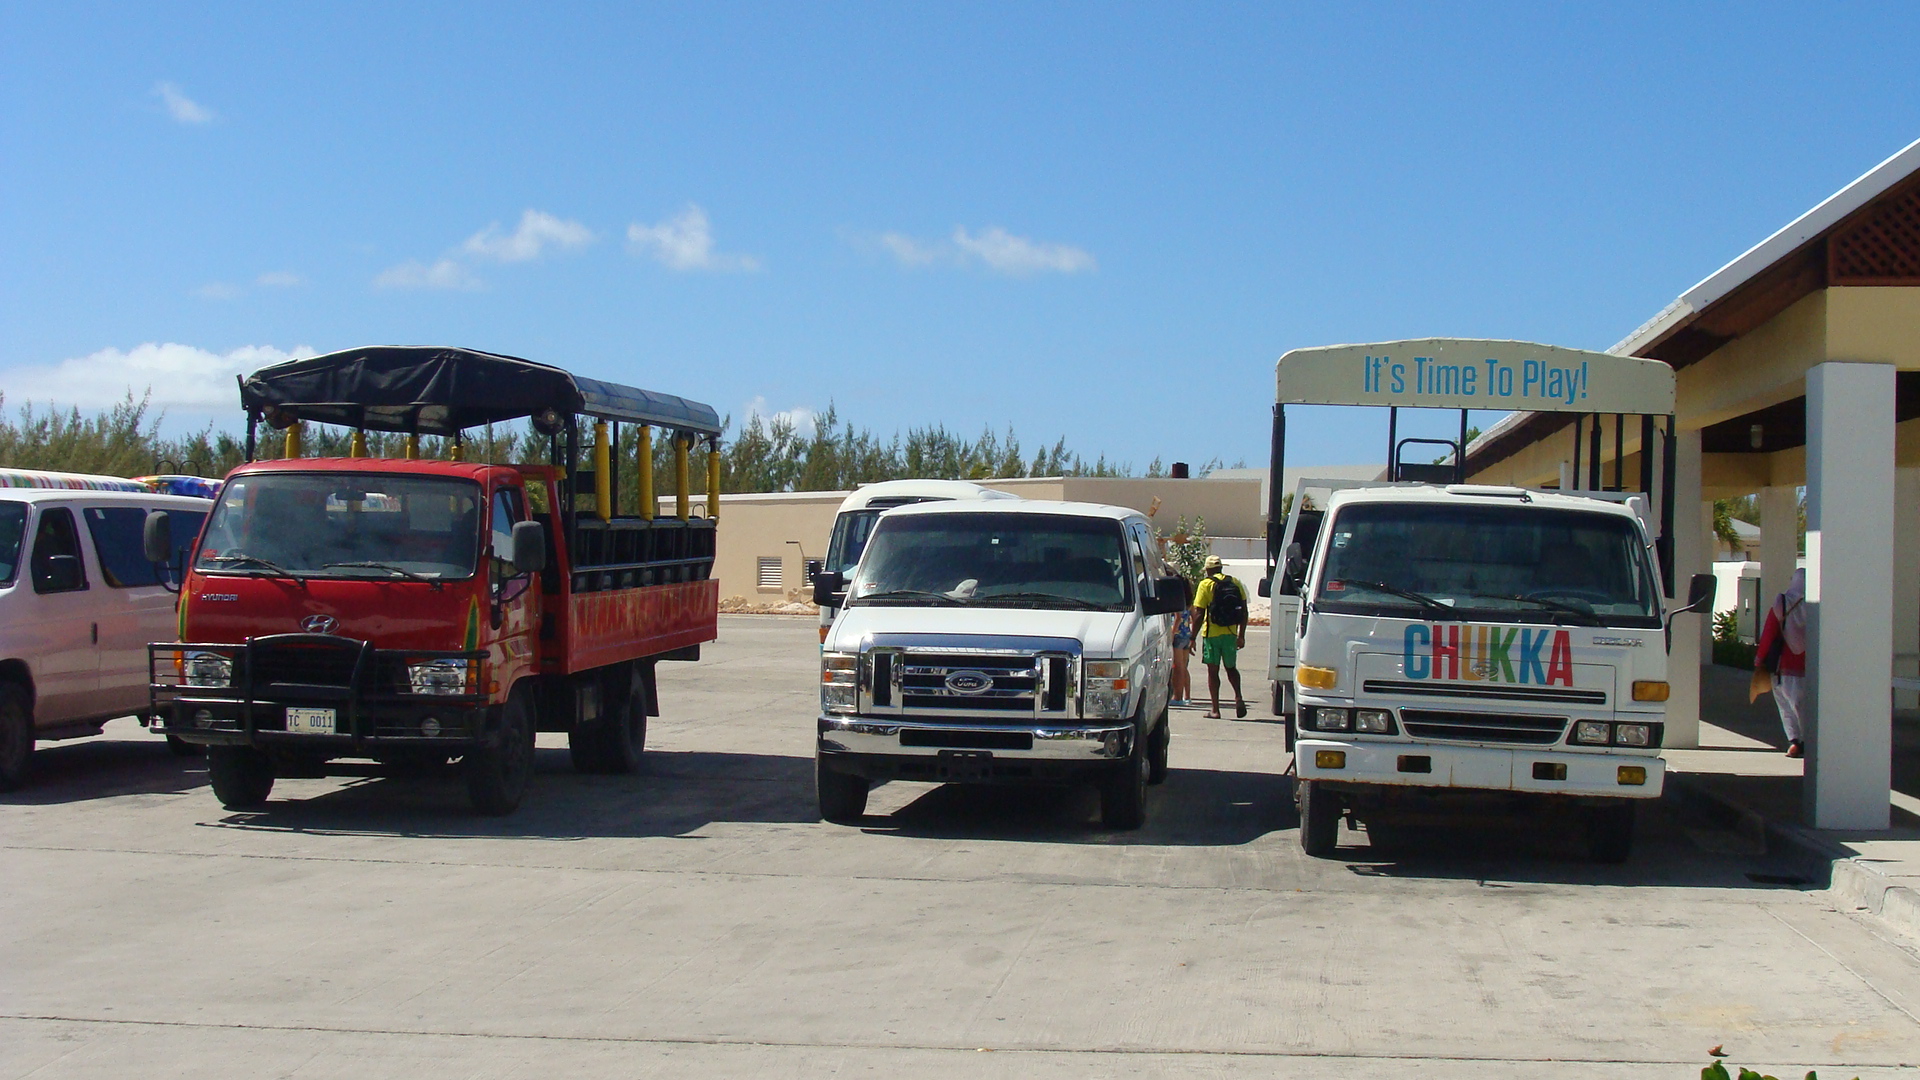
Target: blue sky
1100	221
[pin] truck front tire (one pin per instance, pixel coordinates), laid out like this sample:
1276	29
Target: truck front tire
497	776
16	736
1319	819
242	777
1610	833
843	797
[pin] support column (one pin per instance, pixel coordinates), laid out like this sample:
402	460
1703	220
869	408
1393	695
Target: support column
1779	542
1691	555
1850	496
1906	582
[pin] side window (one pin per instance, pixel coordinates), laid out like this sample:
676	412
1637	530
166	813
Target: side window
117	533
506	511
56	553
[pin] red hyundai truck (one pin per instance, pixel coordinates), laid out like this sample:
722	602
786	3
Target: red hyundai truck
419	611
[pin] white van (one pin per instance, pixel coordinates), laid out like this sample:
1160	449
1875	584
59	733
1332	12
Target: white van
78	604
854	521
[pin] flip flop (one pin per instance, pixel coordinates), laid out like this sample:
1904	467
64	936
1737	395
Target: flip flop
1240	709
1213	716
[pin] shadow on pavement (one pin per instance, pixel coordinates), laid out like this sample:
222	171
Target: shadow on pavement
103	766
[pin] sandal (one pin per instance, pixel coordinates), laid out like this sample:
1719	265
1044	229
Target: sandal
1213	716
1240	709
1795	749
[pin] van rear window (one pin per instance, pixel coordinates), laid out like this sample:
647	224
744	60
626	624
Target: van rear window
118	538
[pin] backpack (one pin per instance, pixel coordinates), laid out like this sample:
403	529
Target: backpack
1770	660
1229	606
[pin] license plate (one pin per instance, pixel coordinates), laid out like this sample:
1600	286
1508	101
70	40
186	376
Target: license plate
310	721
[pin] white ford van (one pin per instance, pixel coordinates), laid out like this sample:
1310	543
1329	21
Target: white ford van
78	604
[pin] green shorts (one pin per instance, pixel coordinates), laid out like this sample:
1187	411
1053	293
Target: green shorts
1220	649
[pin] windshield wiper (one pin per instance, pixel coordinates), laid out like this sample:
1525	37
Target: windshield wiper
1042	597
907	594
1422	599
255	560
402	571
1592	617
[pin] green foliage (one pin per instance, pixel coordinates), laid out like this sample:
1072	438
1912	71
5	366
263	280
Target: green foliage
121	441
1187	547
1736	654
1718	1071
1726	626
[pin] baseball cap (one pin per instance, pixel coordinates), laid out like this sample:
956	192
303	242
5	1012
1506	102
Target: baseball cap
1213	562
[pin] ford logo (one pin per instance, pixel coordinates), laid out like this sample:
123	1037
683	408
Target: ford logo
319	624
969	682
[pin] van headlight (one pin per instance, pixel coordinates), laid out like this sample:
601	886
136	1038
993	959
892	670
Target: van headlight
207	669
443	677
839	682
1105	688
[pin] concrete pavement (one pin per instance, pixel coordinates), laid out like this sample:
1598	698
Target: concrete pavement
696	921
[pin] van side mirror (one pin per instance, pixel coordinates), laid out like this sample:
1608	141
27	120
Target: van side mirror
1169	596
529	547
59	573
156	538
1700	592
827	587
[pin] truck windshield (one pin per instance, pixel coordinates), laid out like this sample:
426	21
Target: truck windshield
1510	564
13	532
850	533
995	560
359	525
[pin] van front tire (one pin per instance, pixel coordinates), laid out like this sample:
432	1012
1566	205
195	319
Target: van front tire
242	777
16	736
842	796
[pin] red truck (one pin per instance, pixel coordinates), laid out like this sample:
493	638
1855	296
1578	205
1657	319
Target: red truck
417	611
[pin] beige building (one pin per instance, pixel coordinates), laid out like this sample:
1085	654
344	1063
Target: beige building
765	540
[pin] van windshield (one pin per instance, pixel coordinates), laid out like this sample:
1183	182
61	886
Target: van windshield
995	560
1512	564
362	525
13	532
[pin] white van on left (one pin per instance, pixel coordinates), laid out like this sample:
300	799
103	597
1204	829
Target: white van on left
79	602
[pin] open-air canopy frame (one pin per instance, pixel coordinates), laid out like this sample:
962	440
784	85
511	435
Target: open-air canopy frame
1474	373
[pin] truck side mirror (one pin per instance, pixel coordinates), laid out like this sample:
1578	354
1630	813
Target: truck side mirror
529	547
827	587
1700	592
156	537
1293	571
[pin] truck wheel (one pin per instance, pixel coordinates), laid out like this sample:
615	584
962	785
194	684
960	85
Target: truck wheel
843	797
616	742
183	748
1159	747
1610	833
1123	795
242	777
1319	819
16	736
497	776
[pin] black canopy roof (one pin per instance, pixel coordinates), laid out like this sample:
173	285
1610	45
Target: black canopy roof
433	390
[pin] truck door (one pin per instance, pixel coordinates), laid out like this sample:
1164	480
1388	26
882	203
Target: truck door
515	597
66	668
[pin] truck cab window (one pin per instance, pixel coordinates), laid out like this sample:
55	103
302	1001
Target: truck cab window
506	511
13	534
57	566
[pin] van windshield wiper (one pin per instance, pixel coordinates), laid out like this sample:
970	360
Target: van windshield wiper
1592	617
255	560
907	594
1041	598
1422	599
402	571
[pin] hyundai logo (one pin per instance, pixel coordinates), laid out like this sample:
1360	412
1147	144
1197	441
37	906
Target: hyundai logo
969	682
319	624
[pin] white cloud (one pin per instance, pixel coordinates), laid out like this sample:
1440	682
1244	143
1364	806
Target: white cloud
279	279
413	274
217	290
801	417
685	242
180	106
1006	253
178	376
536	233
995	249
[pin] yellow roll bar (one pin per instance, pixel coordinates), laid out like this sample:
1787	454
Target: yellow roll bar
681	443
648	504
713	478
357	445
602	472
457	449
293	439
410	449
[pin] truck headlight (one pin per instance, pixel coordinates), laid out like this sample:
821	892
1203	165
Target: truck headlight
1373	721
1326	719
839	682
443	677
1632	734
1104	689
1591	732
207	669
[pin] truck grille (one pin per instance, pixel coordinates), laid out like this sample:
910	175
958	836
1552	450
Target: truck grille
304	665
1483	727
1014	684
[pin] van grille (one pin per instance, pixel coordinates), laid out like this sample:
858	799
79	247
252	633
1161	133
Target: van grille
1483	727
1015	685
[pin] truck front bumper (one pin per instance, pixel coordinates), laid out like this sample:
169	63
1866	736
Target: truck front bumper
1540	771
890	749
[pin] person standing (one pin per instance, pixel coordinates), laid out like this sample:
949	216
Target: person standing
1782	653
1220	610
1181	688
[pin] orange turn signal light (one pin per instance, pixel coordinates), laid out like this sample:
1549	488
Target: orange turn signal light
1329	759
1649	690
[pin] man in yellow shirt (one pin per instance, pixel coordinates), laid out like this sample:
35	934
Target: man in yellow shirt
1221	640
